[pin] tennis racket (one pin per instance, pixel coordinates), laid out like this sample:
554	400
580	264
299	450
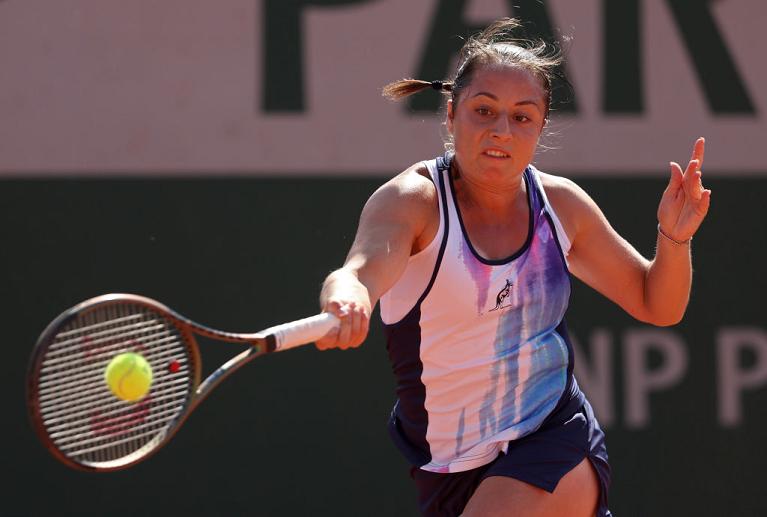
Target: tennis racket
78	418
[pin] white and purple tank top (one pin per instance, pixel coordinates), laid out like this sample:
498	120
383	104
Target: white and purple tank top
478	347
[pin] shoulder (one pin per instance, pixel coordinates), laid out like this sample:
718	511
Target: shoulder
406	204
412	189
573	206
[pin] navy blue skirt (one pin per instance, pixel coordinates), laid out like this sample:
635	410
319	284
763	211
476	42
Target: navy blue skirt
540	459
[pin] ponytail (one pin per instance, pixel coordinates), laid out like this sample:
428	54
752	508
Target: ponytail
406	87
497	44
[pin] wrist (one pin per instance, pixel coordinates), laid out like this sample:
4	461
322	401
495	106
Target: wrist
343	287
671	239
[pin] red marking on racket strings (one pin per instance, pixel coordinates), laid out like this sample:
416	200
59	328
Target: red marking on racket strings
174	366
123	422
138	347
91	349
88	347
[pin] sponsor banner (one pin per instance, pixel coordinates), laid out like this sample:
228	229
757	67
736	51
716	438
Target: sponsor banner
656	361
293	87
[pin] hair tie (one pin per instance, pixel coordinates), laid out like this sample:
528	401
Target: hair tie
437	85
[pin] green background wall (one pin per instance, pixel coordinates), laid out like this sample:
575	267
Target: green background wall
303	433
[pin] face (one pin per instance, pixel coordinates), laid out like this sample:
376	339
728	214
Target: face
496	123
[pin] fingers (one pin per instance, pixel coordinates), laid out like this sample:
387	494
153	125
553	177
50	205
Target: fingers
673	196
676	179
692	177
705	202
698	150
693	182
353	327
685	201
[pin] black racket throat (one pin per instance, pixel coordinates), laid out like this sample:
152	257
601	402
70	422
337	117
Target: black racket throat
271	343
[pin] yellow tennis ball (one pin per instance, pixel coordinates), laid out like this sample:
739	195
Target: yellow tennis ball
129	376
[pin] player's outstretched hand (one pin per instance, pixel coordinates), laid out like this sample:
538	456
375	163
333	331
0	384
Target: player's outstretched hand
685	202
353	328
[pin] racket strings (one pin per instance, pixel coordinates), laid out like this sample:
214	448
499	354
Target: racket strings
93	347
94	332
93	392
58	419
105	451
77	438
82	417
76	379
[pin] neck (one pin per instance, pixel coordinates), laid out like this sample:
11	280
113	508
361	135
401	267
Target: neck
490	196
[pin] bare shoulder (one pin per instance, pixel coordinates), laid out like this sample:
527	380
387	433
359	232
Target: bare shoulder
571	203
414	181
408	204
411	190
561	188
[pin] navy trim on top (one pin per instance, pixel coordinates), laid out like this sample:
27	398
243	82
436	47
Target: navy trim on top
572	397
559	246
408	425
530	223
442	165
547	208
547	213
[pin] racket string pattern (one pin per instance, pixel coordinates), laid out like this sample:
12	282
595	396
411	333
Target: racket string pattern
83	419
78	418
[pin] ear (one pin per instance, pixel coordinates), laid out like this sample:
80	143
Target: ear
450	115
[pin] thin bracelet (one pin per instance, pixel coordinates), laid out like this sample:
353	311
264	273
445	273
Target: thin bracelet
678	243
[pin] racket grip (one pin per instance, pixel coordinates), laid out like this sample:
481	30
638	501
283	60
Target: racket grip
301	332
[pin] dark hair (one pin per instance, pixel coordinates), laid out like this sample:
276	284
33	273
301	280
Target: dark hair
495	45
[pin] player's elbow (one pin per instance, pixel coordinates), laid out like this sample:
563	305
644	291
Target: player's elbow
663	310
666	322
664	318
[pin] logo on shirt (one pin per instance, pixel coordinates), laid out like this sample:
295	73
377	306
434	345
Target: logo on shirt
501	300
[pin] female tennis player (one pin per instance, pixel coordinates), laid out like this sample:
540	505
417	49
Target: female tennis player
470	256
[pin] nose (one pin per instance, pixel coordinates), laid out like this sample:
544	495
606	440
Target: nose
502	128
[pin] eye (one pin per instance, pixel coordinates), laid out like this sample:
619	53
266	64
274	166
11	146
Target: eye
484	111
521	118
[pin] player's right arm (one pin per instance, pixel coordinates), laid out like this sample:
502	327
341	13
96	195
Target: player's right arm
397	221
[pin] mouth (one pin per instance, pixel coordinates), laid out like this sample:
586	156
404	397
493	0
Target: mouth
495	153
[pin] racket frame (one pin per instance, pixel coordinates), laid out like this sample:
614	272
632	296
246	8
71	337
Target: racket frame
260	343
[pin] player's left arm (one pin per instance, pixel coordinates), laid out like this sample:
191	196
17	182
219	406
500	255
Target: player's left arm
654	291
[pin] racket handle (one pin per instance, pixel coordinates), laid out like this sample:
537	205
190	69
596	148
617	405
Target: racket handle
301	332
